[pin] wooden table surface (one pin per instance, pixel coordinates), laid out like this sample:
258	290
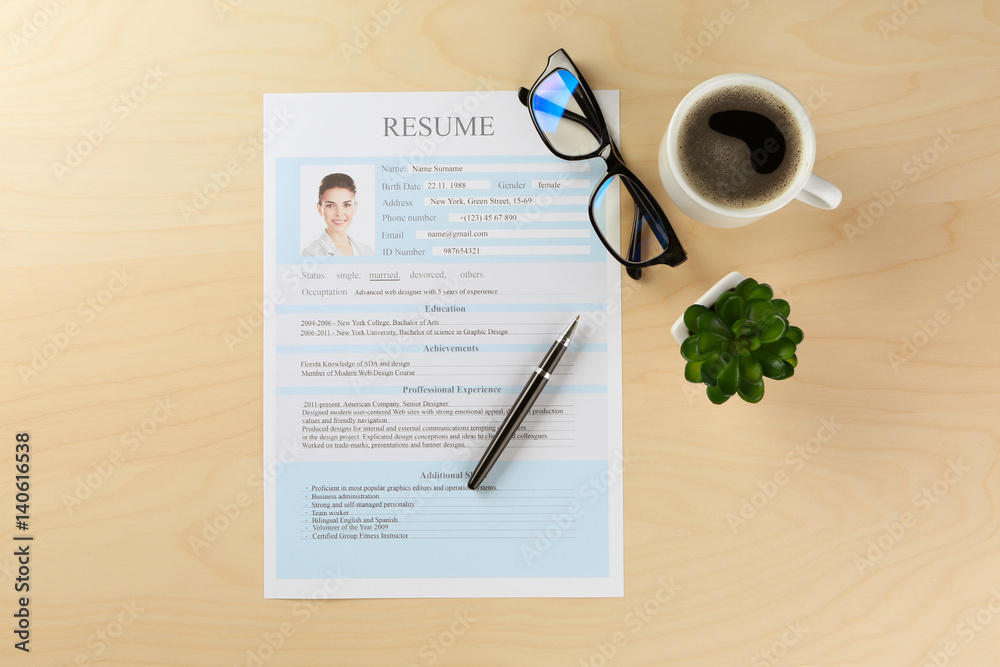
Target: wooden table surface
851	518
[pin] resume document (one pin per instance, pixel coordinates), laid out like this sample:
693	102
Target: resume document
387	371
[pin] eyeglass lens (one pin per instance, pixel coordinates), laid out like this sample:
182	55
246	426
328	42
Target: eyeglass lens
620	216
564	124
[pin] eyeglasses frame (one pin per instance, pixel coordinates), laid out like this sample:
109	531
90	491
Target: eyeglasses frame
608	151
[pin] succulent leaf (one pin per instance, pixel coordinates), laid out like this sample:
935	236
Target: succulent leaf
689	349
773	328
723	298
782	348
732	310
762	291
740	348
787	370
691	316
759	309
711	322
792	361
729	376
771	365
744	288
692	371
750	370
794	334
752	392
708	343
710	371
717	396
782	308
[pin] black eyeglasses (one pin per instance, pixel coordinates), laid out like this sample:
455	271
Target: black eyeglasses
569	121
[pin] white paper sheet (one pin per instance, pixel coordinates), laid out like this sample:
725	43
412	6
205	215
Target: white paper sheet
385	375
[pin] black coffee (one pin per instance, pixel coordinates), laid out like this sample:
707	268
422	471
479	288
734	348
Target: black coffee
740	146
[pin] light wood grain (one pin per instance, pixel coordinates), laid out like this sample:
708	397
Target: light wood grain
189	282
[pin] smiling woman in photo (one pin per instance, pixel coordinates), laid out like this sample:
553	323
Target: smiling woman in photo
337	205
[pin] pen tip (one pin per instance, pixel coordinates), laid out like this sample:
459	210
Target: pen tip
570	328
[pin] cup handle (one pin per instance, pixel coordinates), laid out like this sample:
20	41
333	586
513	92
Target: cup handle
820	193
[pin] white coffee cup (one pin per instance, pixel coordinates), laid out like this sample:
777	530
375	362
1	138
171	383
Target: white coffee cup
806	187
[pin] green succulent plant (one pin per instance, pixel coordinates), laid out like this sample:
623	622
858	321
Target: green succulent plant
744	339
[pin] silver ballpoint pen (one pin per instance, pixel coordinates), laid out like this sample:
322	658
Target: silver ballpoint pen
522	406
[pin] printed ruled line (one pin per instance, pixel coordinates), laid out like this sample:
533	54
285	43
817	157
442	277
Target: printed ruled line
478	537
499	537
463	530
408	521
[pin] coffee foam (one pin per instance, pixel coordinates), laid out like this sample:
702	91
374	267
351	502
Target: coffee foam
719	167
